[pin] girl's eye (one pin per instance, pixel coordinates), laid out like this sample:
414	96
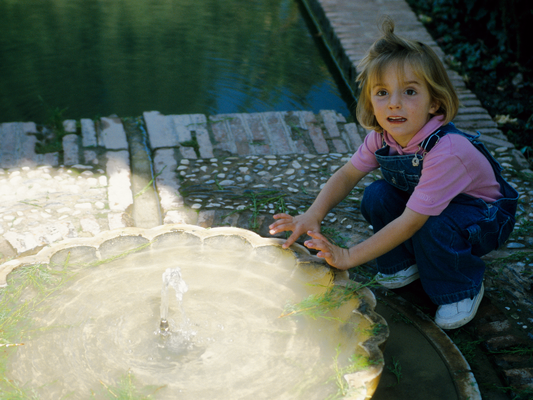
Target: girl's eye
410	92
381	93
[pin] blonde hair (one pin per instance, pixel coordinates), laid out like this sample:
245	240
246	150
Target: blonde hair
392	49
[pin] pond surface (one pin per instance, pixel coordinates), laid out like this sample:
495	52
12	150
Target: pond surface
101	57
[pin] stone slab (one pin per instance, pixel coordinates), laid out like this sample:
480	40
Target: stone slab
71	149
167	182
159	130
119	173
279	133
199	126
112	134
18	145
88	133
260	143
315	132
224	139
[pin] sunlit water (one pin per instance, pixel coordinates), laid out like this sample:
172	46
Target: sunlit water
172	280
101	57
104	323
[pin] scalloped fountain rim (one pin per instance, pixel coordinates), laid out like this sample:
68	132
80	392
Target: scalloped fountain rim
363	383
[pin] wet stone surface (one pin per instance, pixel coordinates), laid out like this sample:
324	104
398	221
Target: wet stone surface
43	205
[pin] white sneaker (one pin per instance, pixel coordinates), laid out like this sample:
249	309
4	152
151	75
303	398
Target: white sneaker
455	315
399	279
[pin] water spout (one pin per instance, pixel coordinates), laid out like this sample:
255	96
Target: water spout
171	277
164	327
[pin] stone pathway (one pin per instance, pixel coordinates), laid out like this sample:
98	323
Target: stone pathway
239	169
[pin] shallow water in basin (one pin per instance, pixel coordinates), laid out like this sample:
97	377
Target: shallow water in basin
227	341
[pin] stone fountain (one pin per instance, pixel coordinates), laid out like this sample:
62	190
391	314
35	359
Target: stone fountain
182	311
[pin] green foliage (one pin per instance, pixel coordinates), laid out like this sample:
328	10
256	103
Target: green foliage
525	228
485	41
14	311
376	329
29	288
334	236
11	391
126	389
522	351
524	394
193	143
149	184
259	202
52	140
319	305
396	370
466	345
357	363
501	24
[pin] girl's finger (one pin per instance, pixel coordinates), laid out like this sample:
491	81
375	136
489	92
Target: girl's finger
276	230
317	235
323	254
291	239
281	227
315	244
279	223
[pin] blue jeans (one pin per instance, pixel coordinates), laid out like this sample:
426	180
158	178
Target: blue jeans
447	249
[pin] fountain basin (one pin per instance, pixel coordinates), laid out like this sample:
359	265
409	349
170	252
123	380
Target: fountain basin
243	331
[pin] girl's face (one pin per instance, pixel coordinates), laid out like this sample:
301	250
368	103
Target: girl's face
402	104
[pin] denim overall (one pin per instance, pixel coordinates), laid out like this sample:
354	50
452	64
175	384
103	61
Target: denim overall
447	249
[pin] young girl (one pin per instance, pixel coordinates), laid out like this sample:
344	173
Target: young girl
442	203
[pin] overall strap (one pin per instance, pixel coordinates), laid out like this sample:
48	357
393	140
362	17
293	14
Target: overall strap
430	142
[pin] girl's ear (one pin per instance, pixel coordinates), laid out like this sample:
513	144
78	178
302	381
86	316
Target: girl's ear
435	105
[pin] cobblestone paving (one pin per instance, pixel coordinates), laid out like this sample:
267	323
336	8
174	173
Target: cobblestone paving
43	205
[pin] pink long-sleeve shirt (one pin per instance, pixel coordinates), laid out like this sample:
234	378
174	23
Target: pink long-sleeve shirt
452	167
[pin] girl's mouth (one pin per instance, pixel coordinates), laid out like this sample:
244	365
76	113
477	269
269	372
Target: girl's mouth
396	119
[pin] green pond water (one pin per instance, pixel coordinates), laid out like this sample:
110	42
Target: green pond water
102	57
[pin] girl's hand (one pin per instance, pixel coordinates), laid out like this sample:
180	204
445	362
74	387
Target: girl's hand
335	256
298	225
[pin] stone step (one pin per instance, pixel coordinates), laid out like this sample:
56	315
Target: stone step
236	135
17	148
350	28
297	132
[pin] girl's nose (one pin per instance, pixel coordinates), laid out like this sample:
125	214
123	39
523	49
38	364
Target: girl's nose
395	101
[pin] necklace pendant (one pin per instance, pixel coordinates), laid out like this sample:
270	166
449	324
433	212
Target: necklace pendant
415	161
